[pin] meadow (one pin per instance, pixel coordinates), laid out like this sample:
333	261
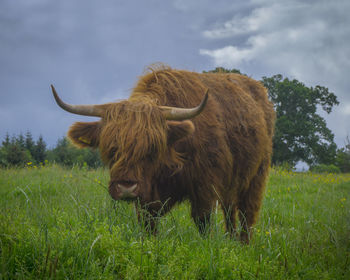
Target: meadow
58	223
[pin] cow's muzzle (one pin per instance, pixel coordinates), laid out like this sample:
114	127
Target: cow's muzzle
124	190
127	191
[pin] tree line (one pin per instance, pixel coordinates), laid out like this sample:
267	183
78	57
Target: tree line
301	134
22	150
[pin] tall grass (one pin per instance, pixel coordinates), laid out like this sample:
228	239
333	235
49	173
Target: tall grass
57	223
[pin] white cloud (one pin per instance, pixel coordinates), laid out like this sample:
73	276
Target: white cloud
346	109
306	40
304	32
240	25
281	35
229	55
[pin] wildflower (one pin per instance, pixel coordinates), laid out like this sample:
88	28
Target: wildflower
29	163
343	199
97	181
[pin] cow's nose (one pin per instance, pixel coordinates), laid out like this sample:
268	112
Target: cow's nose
127	189
127	183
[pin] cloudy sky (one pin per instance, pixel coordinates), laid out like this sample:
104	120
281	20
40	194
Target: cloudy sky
93	51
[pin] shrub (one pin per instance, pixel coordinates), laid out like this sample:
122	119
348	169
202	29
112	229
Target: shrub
324	168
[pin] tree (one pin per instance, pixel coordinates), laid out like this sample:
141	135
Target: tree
3	150
20	141
13	152
7	141
62	153
343	157
224	70
39	151
300	132
29	142
17	155
66	154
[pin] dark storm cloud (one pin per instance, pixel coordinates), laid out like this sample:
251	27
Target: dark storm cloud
93	51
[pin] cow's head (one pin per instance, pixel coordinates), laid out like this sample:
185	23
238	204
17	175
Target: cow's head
136	139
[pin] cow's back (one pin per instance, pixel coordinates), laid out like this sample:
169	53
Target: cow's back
248	117
238	114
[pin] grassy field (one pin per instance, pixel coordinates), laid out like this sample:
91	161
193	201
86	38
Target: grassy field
61	224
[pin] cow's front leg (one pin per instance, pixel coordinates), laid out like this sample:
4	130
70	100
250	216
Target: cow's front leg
201	215
148	216
147	220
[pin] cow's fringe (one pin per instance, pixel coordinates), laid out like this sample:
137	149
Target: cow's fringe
136	132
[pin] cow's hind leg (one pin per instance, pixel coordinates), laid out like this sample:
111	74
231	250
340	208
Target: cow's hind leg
250	202
248	211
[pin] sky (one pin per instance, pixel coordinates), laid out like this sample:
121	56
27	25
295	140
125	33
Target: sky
94	51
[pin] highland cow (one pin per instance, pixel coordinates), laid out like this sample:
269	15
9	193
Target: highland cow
163	148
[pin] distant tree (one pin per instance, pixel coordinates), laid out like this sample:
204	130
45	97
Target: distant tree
224	70
343	157
20	141
3	150
7	141
62	153
39	151
13	152
66	154
29	142
17	155
301	134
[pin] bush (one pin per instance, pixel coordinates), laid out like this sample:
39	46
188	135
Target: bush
285	166
324	168
343	159
14	155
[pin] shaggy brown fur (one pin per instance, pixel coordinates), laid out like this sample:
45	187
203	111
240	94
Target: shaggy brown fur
222	155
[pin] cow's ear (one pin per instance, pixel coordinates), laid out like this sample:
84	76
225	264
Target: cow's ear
178	130
85	134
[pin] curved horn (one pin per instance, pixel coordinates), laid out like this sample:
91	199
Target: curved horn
85	110
179	114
